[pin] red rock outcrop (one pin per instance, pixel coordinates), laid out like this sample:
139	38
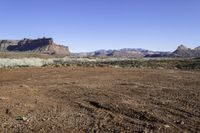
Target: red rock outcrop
43	45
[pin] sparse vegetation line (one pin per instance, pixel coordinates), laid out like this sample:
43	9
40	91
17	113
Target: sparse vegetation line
185	64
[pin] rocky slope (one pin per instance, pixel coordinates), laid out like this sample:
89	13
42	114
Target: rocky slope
185	52
44	45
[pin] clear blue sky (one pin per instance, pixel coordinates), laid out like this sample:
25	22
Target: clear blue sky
87	25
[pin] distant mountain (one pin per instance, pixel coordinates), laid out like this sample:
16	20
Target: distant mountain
47	46
184	52
181	52
124	53
43	45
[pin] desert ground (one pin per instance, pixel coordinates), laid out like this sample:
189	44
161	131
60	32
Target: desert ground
99	99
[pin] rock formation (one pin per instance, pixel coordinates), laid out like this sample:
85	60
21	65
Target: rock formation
44	45
183	51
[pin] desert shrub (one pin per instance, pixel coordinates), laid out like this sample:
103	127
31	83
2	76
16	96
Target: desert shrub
20	62
186	64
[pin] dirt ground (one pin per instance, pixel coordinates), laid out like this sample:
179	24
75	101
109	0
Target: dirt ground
83	99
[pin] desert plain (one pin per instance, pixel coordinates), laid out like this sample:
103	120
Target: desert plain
99	99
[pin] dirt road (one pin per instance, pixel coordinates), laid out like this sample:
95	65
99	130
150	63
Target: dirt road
99	100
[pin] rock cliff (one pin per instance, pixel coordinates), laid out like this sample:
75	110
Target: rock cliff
43	45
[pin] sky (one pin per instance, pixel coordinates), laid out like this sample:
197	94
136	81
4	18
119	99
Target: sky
88	25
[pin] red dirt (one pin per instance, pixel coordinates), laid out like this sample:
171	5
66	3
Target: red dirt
84	99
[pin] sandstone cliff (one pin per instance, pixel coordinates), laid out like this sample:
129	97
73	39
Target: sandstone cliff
44	45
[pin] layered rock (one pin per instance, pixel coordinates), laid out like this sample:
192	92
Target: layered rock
44	45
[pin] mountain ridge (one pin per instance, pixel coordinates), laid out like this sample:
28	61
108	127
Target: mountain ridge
47	46
182	51
185	52
124	52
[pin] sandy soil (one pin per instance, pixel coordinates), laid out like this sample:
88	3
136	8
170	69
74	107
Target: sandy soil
99	100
